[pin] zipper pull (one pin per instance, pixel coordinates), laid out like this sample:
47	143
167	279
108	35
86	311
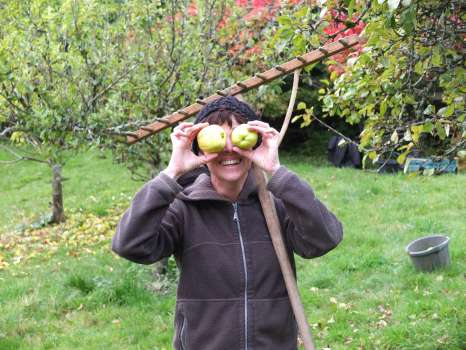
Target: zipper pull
235	214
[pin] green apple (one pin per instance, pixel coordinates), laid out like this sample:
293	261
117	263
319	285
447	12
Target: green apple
244	138
212	139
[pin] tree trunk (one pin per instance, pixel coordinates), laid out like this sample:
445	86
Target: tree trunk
58	214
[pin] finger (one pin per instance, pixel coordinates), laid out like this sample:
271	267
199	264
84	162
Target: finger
189	128
259	123
195	129
183	125
263	130
179	133
208	157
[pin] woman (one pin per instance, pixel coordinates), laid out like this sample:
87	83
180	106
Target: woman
231	294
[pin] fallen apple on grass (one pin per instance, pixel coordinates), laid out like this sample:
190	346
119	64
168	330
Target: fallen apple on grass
212	139
244	138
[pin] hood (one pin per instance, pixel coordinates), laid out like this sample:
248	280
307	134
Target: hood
202	189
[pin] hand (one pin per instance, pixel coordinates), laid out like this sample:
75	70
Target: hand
266	155
182	158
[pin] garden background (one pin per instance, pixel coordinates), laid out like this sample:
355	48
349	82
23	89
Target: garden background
75	76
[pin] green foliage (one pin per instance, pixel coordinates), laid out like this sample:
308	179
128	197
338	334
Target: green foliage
74	74
178	59
89	72
406	86
55	68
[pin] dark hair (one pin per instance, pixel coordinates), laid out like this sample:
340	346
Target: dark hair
223	110
225	116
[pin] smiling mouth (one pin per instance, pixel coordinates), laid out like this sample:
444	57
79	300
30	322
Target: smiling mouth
230	162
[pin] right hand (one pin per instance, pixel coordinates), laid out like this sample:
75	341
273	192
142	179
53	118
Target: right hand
182	158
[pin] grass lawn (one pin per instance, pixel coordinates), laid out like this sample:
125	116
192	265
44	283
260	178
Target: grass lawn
92	183
363	295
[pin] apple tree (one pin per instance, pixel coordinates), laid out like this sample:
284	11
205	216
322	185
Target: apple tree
406	86
58	63
179	59
75	74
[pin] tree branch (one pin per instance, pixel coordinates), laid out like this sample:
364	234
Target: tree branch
18	156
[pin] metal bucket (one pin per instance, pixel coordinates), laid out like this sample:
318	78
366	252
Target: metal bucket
429	253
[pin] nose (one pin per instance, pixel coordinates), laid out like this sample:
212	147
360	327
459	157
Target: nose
229	144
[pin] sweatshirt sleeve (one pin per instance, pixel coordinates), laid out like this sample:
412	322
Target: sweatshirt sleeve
309	227
150	229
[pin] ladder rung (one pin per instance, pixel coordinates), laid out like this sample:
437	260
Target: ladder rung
281	69
162	120
301	59
343	42
241	85
325	52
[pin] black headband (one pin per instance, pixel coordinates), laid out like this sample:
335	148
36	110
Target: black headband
229	103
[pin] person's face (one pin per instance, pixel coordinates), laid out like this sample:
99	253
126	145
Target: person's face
229	166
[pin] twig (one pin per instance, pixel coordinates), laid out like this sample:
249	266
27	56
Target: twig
18	156
336	132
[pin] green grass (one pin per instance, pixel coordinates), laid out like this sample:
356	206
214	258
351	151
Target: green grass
365	294
92	182
367	288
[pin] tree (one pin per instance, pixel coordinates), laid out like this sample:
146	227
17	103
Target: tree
58	63
180	61
406	85
76	74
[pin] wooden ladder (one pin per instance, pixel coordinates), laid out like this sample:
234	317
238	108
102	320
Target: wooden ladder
243	86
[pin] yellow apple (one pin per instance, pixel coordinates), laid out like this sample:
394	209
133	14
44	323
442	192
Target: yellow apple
212	139
244	138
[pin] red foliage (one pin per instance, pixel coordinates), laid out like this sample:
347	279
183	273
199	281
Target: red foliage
263	3
192	9
247	43
337	25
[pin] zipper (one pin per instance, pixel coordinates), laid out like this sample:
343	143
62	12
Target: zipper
236	220
183	336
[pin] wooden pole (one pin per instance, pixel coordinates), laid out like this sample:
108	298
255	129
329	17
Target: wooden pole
270	214
243	86
271	218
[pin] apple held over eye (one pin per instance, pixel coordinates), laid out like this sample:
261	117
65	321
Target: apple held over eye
244	138
212	139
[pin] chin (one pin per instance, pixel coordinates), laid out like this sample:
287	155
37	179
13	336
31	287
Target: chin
231	177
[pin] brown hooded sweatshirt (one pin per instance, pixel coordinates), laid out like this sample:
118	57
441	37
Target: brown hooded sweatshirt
231	294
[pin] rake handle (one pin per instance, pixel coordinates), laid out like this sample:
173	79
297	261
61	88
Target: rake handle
271	218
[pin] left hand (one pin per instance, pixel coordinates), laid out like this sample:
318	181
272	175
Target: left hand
266	155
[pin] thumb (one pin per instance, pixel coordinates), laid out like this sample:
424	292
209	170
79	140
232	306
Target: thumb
208	157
